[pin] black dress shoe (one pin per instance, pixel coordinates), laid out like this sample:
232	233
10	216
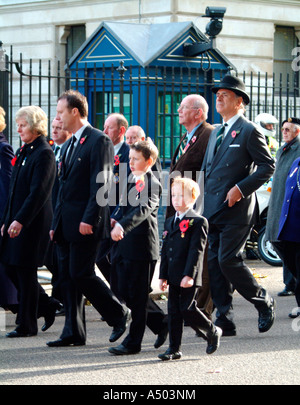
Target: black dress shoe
228	328
170	355
228	332
122	350
17	334
65	342
286	293
120	328
266	318
50	316
161	337
294	315
213	342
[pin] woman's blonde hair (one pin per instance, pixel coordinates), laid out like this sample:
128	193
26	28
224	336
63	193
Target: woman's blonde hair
35	117
2	120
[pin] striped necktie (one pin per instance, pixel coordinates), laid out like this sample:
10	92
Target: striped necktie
220	135
181	148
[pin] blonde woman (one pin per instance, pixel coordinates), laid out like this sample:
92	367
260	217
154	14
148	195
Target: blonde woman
27	217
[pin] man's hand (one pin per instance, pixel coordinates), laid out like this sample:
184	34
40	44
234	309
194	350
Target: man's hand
14	229
85	229
187	282
117	233
233	196
163	284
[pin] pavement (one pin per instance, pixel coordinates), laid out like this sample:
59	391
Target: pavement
250	358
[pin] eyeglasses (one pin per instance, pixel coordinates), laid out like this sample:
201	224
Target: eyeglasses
185	107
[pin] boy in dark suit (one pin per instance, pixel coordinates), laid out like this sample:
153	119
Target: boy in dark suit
184	241
135	233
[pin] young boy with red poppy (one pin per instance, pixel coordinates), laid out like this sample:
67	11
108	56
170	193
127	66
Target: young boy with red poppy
136	247
184	241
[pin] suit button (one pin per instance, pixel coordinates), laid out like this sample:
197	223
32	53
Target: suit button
171	249
170	259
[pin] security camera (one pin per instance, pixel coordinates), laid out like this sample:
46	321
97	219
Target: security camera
215	12
213	28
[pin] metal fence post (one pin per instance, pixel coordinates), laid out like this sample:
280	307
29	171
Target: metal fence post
4	83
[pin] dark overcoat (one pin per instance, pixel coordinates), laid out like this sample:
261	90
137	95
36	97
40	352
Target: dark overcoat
29	203
6	155
284	158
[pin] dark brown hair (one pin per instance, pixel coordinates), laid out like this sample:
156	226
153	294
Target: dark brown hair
147	148
76	100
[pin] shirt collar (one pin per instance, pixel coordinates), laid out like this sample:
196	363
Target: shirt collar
181	216
190	134
230	122
117	147
78	134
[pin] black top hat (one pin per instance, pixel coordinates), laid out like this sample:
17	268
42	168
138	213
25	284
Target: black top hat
292	121
234	84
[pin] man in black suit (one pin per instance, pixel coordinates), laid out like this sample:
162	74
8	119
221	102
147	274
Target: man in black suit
237	162
81	220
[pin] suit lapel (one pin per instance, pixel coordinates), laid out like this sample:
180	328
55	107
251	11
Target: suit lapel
233	133
79	146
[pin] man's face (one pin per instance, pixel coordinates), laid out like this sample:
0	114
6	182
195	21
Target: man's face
227	103
289	132
131	136
188	113
64	115
59	136
112	129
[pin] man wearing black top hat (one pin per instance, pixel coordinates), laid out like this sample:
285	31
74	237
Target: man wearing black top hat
236	164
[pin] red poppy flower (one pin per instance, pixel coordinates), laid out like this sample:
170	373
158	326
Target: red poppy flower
184	225
13	161
82	140
51	142
140	185
117	160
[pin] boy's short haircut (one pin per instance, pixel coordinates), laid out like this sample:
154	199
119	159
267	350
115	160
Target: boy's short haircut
147	148
188	185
